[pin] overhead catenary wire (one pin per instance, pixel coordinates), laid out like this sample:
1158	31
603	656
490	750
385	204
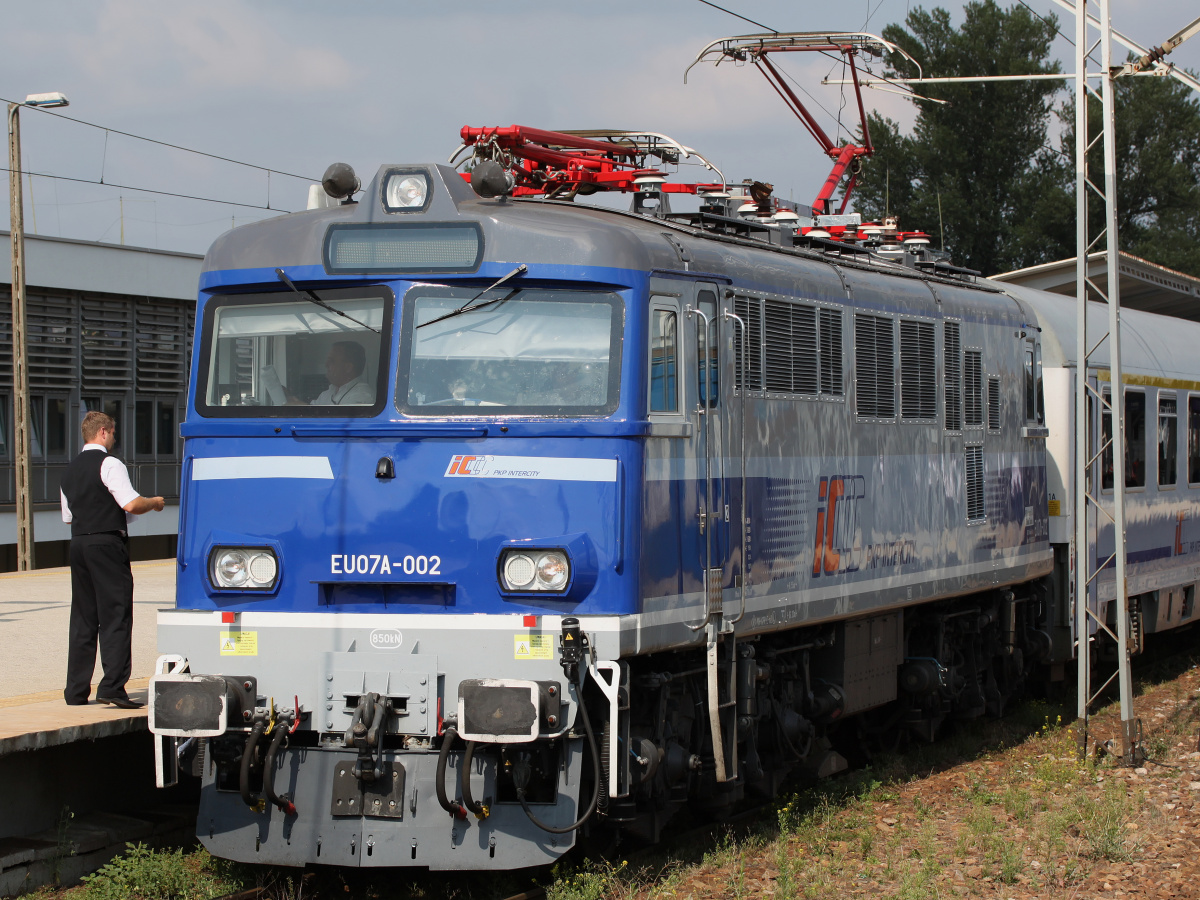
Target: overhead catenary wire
138	137
130	187
739	16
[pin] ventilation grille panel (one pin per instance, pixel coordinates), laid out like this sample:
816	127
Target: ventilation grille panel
975	507
874	362
832	379
790	347
973	388
918	370
749	310
952	349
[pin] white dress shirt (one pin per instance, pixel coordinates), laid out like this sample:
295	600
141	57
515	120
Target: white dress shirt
352	393
115	477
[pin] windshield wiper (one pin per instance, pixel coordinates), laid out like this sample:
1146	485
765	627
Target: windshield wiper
468	306
313	298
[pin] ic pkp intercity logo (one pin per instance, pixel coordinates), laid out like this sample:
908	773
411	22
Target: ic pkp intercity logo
468	465
838	497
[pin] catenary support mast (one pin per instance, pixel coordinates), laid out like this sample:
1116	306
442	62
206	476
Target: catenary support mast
1103	338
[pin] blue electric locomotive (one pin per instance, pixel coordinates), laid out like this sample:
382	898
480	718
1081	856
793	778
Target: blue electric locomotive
504	518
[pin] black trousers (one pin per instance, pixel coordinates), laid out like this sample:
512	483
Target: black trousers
101	610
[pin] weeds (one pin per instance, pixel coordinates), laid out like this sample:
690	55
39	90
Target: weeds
145	874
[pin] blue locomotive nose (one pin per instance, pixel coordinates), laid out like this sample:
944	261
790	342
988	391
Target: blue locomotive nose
457	529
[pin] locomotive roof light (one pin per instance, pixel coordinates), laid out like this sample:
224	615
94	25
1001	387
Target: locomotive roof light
340	182
406	191
489	180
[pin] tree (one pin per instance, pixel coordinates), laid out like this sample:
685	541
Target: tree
1158	169
979	168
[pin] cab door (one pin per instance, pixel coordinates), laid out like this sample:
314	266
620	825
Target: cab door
684	517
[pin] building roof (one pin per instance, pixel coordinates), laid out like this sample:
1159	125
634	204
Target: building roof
1143	284
53	263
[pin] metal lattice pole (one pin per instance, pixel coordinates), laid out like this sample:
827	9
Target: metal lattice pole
1090	513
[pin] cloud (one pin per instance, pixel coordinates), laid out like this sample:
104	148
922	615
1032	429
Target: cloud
142	53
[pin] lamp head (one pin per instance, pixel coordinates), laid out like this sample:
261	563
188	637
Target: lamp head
340	182
47	101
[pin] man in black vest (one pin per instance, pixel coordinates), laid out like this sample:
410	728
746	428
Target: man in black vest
98	501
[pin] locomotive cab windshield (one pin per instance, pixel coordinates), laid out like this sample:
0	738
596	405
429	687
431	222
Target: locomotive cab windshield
280	354
535	351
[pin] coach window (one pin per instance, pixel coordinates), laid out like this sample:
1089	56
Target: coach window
1106	433
664	361
1193	439
1135	439
1168	440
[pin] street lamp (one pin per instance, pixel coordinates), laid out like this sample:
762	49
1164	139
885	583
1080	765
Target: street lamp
20	368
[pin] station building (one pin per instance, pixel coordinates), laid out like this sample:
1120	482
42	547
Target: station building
109	328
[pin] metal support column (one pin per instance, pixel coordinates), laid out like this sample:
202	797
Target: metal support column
21	441
1090	513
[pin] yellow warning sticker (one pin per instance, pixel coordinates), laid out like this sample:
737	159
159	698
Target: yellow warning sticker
239	643
1054	508
533	646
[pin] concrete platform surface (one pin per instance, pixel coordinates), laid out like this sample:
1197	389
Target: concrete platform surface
35	612
37	721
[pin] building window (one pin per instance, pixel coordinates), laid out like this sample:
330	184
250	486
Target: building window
56	426
1168	440
166	428
143	428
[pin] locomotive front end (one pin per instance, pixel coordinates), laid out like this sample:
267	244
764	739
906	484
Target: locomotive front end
401	554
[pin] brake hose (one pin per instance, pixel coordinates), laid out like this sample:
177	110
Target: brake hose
587	727
286	806
479	809
247	759
448	737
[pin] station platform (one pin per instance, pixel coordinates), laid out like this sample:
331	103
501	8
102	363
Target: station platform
76	782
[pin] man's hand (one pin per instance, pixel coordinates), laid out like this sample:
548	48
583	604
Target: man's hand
140	505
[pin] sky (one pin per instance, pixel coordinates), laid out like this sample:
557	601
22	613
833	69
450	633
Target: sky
295	85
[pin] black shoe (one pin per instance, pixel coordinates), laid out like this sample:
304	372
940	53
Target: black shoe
120	702
83	702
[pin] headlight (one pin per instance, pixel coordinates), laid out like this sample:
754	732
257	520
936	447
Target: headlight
406	191
535	570
519	571
243	568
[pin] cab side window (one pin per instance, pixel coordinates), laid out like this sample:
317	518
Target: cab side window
664	360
